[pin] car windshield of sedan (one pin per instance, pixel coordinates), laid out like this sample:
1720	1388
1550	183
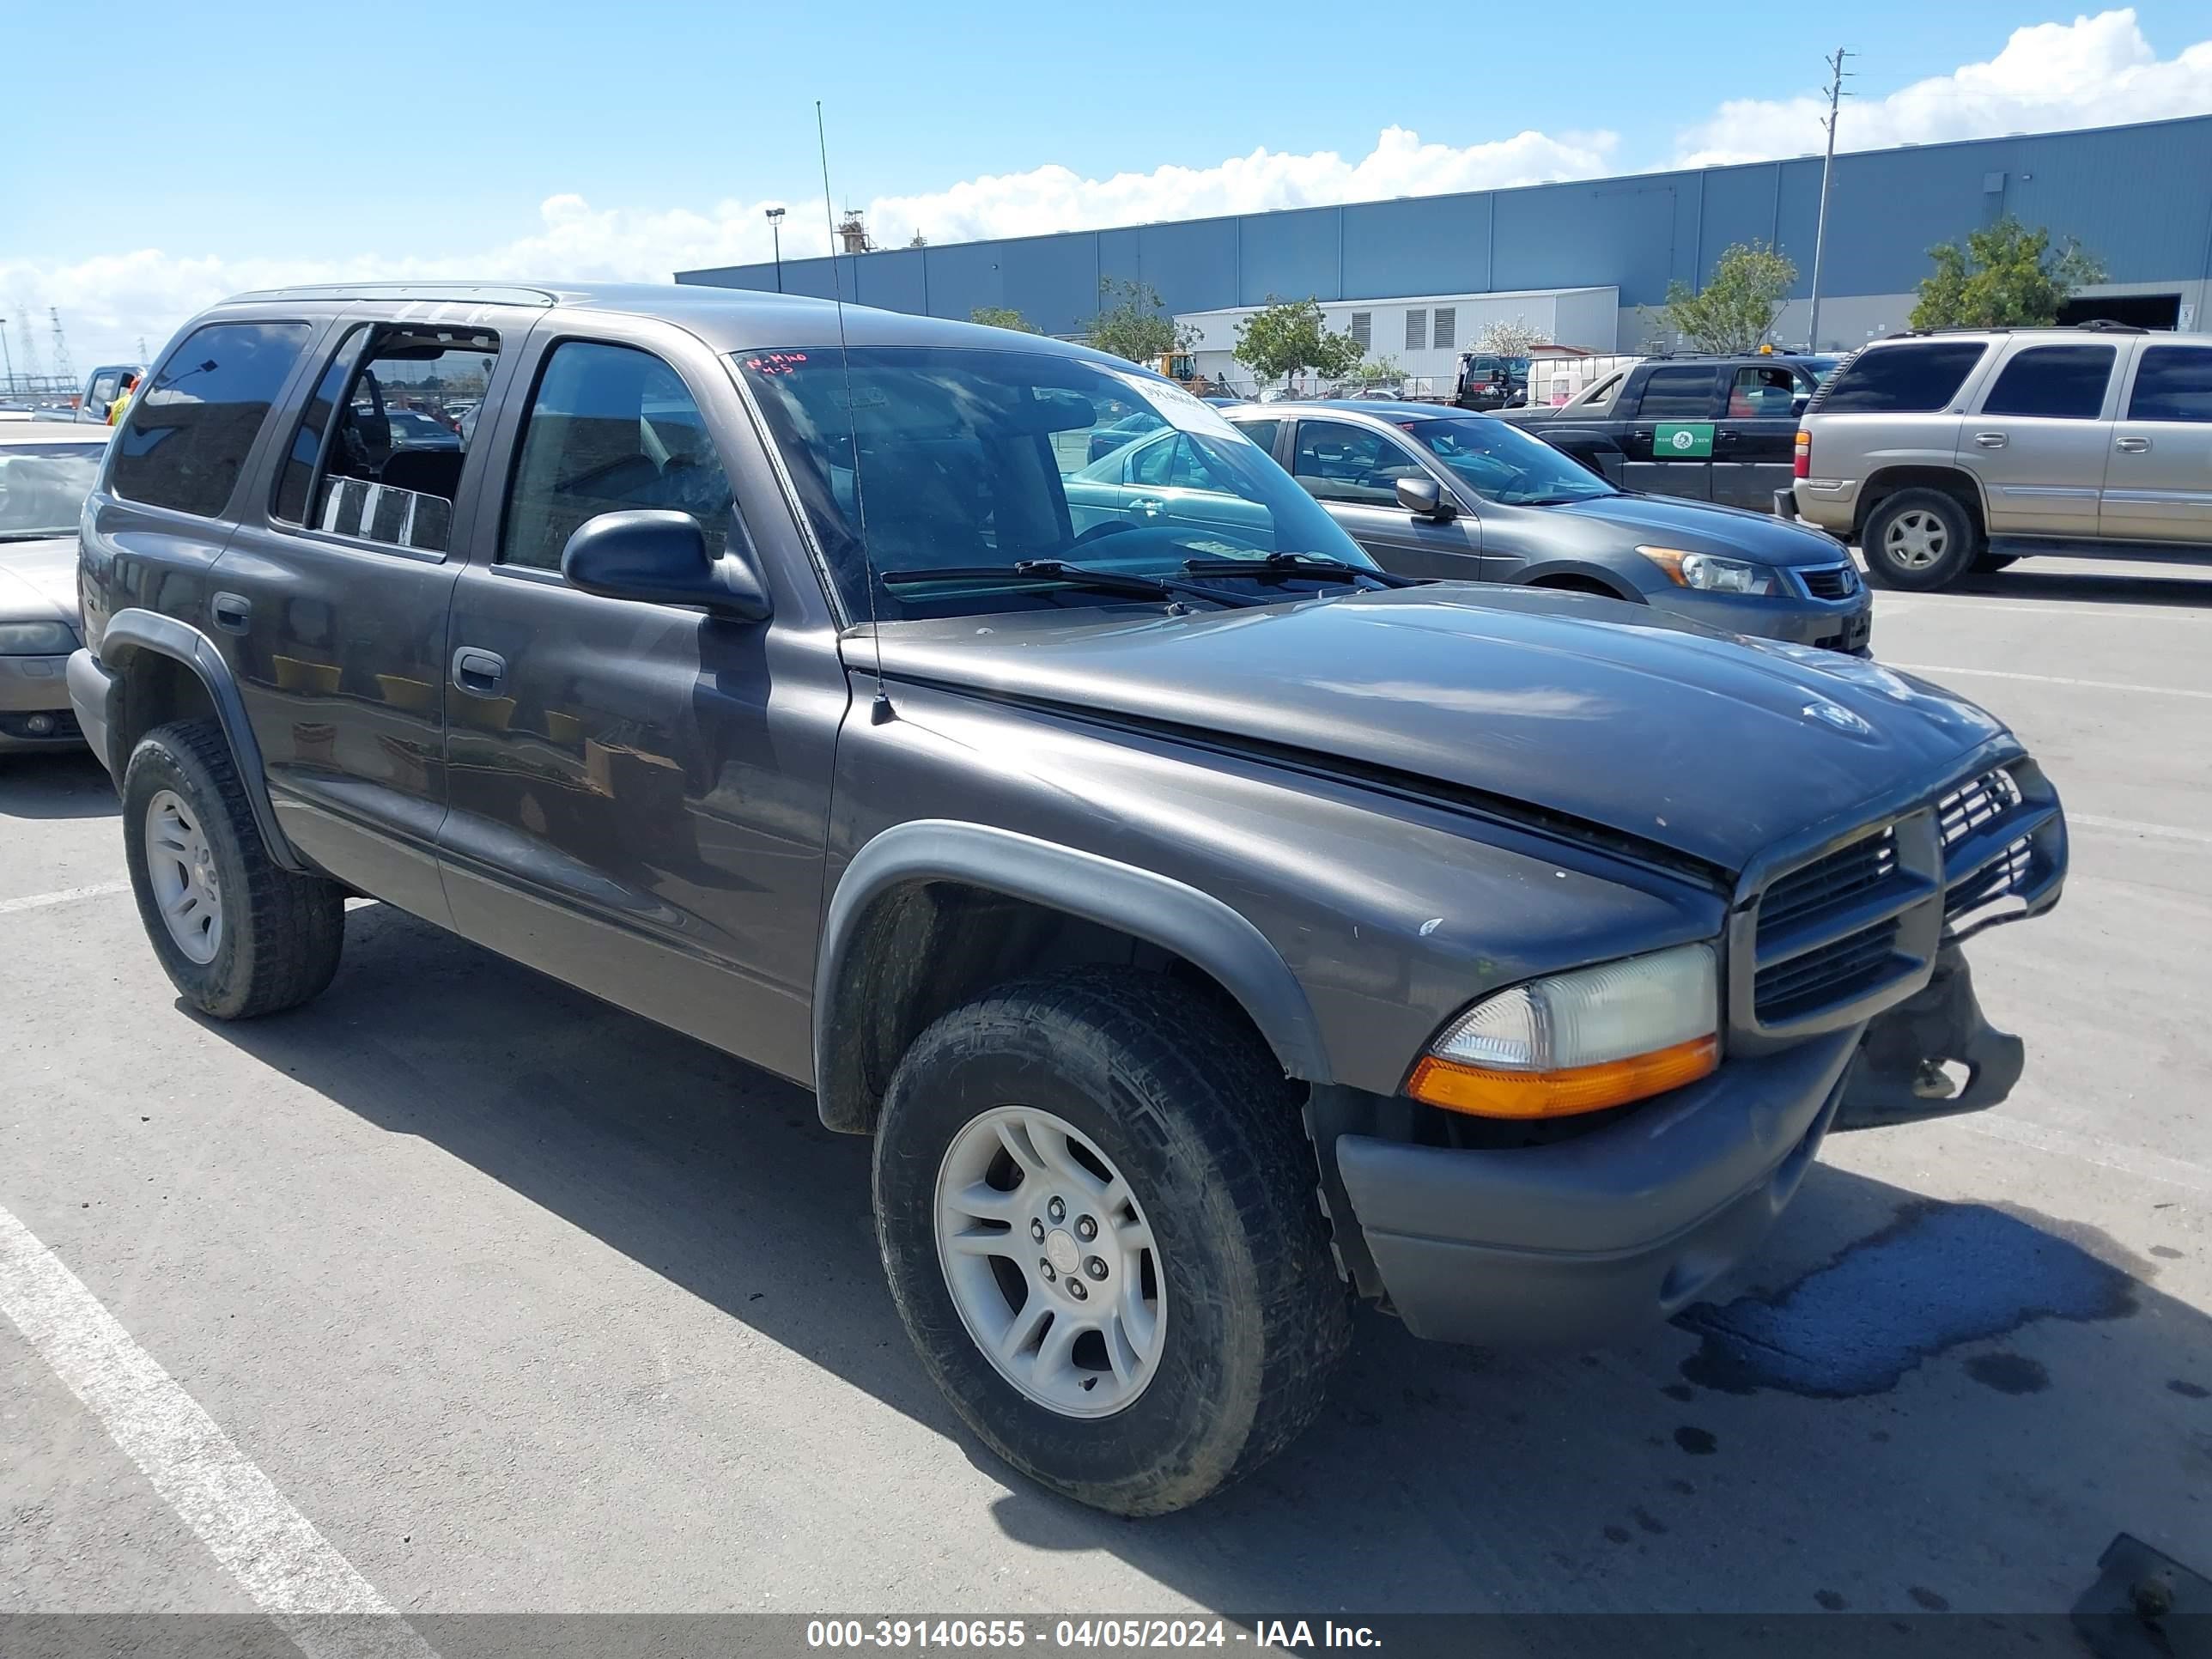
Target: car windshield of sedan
1500	462
43	487
974	459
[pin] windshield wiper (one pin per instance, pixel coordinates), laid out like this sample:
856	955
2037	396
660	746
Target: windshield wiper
1071	575
54	535
1564	500
1279	566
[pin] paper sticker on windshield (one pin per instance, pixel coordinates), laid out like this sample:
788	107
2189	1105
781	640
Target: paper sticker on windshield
1178	408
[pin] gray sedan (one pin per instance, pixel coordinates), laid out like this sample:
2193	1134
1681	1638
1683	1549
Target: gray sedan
1434	491
46	470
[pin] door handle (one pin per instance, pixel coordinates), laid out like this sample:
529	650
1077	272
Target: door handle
1643	433
1991	440
1724	437
478	672
1148	505
233	612
2133	446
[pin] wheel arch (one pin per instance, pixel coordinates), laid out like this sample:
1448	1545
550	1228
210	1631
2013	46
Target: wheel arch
1573	576
167	669
1962	486
932	912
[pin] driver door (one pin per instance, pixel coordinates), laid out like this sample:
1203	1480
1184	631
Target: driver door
1353	472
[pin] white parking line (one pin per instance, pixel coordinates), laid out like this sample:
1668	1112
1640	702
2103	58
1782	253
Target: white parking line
2053	608
2052	679
2093	1149
2129	827
66	895
306	1588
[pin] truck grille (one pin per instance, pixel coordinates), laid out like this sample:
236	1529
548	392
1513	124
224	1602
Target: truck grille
1834	581
1829	880
1856	927
1833	973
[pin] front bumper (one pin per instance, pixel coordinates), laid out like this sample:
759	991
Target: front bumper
34	704
1596	1239
1845	624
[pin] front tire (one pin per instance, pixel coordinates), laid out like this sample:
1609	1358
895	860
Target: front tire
237	936
1024	1133
1918	540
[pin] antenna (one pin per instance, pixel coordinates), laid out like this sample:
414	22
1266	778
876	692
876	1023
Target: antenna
880	710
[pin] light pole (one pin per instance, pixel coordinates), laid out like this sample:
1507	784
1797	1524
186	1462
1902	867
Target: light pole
7	356
1836	96
775	216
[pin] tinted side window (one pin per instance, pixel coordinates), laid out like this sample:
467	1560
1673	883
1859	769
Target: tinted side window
1917	379
188	431
2065	382
1339	462
609	427
290	503
2173	383
1684	392
1261	433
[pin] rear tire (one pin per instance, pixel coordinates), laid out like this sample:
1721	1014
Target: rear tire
247	938
1918	540
1187	1117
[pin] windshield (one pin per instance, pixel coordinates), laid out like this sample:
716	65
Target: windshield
980	457
43	487
1500	462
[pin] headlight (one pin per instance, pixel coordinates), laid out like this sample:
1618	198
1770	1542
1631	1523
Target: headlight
39	639
1711	574
1579	1042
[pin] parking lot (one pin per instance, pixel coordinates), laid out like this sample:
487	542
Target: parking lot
522	1303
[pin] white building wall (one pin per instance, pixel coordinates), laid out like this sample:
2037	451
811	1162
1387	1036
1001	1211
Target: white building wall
1579	317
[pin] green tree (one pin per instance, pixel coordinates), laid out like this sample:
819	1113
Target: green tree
1003	317
1288	336
1132	323
2005	276
1385	370
1734	311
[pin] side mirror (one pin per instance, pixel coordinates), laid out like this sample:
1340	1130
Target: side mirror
661	558
1423	499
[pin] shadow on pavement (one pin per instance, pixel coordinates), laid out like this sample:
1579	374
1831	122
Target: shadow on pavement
2184	585
1841	1436
66	784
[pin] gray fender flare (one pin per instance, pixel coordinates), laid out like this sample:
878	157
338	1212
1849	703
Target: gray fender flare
1168	913
131	631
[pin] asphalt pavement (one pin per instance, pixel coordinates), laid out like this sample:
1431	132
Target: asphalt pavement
474	1295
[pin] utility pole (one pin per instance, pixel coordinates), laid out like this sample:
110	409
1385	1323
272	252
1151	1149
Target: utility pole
62	366
7	357
1836	95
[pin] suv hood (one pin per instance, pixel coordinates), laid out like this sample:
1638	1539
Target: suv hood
1709	745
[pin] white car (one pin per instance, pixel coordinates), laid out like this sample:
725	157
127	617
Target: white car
46	470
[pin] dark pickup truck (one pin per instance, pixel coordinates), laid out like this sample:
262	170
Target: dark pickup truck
1206	927
1712	428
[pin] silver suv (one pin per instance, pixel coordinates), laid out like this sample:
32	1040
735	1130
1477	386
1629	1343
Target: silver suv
1941	454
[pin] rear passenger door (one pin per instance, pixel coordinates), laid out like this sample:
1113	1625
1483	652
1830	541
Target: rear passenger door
1668	439
1755	437
2037	438
331	601
2157	478
639	791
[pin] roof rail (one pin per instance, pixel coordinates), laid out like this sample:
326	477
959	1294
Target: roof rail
461	292
2094	325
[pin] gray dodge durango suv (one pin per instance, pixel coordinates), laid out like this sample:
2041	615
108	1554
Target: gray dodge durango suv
1207	927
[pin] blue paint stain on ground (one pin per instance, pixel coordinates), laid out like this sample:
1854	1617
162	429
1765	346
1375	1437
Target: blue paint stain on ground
1940	1275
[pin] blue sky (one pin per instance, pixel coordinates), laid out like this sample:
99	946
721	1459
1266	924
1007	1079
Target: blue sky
412	138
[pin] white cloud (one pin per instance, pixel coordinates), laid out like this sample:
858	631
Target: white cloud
2094	71
108	301
2091	71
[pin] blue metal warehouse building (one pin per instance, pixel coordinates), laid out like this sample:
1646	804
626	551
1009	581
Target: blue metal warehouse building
2139	197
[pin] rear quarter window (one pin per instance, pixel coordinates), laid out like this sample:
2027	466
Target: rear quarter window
1914	379
188	431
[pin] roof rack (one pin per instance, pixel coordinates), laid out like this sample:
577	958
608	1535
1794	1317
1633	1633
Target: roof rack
2094	325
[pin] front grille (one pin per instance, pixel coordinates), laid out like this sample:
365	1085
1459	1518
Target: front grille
1837	581
1992	882
1833	973
1967	808
1834	879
